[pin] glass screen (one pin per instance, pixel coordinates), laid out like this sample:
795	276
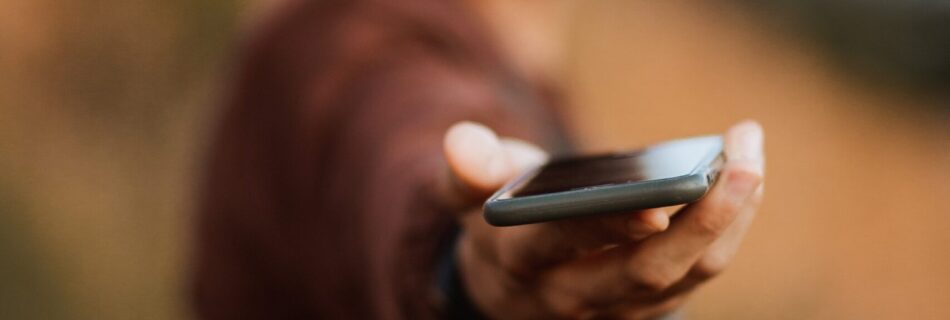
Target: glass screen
666	160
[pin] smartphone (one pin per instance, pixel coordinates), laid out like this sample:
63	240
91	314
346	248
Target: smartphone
670	173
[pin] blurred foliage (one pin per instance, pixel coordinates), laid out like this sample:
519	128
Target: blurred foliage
886	43
28	290
103	106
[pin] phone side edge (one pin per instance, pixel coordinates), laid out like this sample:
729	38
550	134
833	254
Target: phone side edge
572	204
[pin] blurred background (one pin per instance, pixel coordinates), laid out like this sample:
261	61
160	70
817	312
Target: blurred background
106	107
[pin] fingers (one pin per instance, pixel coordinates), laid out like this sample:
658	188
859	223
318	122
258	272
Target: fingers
648	222
717	258
480	162
526	249
656	267
656	263
744	144
667	256
663	259
585	273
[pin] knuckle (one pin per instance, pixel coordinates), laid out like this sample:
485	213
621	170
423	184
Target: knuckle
512	263
652	281
753	175
744	173
568	310
713	222
513	267
563	304
710	266
508	264
744	169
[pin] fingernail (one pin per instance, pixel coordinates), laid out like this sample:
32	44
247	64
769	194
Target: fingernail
750	142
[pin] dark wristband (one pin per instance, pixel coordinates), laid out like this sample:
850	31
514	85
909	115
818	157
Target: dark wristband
457	304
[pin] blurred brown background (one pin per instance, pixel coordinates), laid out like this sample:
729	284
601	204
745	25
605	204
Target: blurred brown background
105	108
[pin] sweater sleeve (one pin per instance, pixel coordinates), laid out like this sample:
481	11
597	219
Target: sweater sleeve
319	200
397	134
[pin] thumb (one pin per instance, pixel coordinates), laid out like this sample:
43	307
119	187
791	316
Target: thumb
481	162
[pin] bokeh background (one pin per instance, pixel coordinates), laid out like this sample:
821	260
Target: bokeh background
106	107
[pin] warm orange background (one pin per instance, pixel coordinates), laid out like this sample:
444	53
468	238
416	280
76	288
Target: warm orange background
856	221
105	109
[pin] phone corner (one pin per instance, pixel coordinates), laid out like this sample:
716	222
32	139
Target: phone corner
696	185
493	214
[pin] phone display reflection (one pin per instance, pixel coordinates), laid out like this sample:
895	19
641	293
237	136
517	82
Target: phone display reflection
668	160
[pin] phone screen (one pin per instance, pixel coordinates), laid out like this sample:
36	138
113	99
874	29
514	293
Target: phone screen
667	160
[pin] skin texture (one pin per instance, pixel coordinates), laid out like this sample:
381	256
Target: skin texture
639	265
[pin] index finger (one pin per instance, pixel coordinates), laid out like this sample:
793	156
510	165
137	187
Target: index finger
667	256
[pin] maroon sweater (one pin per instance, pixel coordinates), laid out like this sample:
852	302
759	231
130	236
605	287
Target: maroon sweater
317	202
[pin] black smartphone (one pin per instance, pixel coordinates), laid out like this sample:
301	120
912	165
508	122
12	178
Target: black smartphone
670	173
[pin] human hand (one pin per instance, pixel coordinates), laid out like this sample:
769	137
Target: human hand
636	265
